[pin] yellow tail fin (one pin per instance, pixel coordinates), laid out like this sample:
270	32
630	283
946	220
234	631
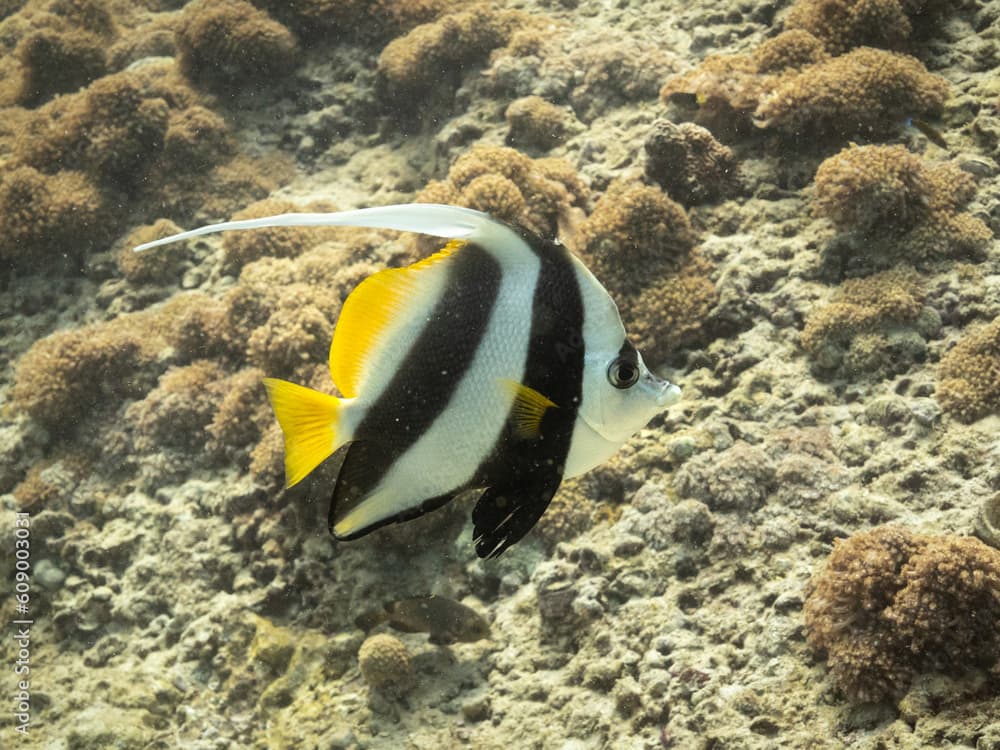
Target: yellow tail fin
308	420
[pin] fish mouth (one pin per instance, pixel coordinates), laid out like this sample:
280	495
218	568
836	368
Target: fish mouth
669	394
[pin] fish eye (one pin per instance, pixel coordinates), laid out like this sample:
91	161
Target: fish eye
623	373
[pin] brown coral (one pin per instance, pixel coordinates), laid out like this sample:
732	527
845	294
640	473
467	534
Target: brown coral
70	373
161	267
243	413
890	604
639	244
899	206
866	91
791	85
241	248
385	664
969	374
689	163
44	216
535	123
113	129
56	62
227	42
845	24
196	138
534	193
413	65
178	410
297	332
636	231
875	325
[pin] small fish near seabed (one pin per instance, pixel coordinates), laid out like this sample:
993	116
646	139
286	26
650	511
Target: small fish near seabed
444	620
498	365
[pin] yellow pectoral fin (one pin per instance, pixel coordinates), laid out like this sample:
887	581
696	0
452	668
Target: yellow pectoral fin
368	312
528	408
309	421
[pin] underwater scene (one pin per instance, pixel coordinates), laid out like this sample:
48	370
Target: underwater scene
533	374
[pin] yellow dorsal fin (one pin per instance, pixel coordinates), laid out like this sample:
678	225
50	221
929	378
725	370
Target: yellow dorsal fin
528	409
309	421
368	312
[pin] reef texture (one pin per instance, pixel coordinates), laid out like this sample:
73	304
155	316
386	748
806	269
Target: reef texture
895	205
890	604
829	310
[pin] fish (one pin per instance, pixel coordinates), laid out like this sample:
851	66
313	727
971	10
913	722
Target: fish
497	366
930	132
445	620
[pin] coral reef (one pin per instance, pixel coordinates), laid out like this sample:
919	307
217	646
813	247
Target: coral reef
875	326
535	123
241	248
56	62
897	207
385	664
845	24
157	267
867	91
890	604
969	374
741	478
66	375
45	216
197	138
243	414
535	193
229	42
794	88
689	164
297	331
112	129
639	243
177	412
411	66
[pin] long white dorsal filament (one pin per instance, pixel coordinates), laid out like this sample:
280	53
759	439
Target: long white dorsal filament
453	222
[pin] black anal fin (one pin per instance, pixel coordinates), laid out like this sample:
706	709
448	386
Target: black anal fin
364	466
505	513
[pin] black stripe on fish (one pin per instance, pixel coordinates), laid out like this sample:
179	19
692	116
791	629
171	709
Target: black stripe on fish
418	392
522	475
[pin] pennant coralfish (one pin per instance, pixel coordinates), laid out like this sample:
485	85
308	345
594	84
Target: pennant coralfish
498	365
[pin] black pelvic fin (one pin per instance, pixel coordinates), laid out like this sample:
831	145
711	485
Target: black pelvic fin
504	514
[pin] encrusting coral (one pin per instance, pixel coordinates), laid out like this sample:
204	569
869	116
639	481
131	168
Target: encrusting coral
900	207
64	376
178	410
845	24
42	216
151	267
689	163
412	65
890	604
112	130
535	123
791	85
640	243
866	91
226	42
872	326
969	374
535	193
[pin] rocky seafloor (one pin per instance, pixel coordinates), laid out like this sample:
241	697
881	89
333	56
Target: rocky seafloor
830	327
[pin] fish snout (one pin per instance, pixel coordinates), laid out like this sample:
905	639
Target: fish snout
667	393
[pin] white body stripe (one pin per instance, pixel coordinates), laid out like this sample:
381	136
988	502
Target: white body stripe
447	455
